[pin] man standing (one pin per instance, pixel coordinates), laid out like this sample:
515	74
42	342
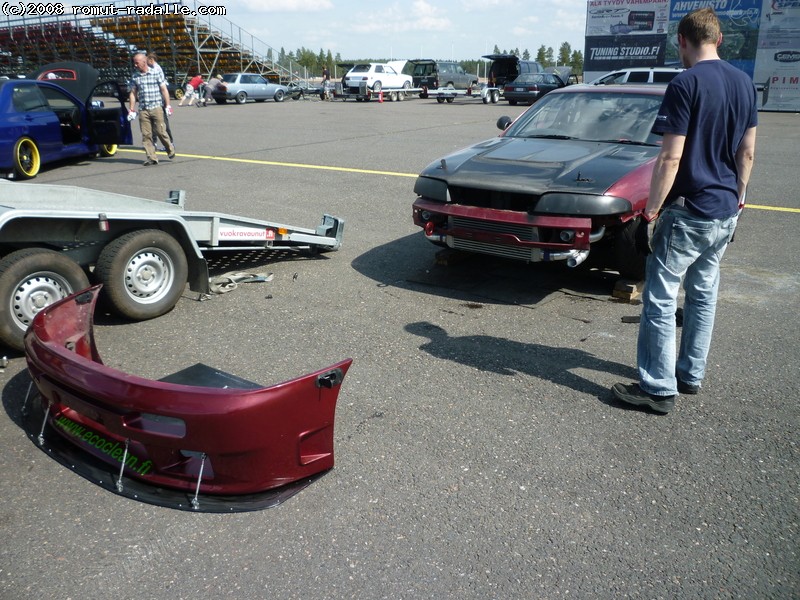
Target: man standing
150	89
708	121
152	63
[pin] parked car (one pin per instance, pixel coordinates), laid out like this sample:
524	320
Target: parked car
377	77
638	75
242	87
507	67
431	74
59	116
570	174
529	87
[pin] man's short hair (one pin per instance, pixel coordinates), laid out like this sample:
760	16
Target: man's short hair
700	27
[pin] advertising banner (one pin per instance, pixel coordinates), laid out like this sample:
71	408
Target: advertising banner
760	37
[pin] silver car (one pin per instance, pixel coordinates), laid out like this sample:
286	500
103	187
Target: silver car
242	87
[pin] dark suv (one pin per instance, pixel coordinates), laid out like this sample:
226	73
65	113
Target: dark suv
507	67
432	74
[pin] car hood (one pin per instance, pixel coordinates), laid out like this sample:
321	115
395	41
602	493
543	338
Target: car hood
536	165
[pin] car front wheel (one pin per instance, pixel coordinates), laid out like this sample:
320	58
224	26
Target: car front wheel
279	96
143	273
27	159
30	280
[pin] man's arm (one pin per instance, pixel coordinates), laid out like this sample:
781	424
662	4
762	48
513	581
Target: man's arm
664	172
745	155
132	99
165	93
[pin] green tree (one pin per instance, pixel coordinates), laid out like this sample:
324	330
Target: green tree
541	55
564	54
496	49
576	61
526	55
550	57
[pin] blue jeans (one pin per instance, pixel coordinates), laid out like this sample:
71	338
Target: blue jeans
688	247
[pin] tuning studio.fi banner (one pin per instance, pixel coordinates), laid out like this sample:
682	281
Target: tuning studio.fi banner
760	37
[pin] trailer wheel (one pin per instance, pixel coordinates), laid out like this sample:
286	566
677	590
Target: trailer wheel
27	159
143	273
108	149
30	280
440	99
495	96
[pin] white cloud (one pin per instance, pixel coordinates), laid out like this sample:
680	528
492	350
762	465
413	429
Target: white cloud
267	6
420	16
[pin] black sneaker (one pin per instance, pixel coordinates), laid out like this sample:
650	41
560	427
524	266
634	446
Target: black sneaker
633	394
149	163
688	388
171	155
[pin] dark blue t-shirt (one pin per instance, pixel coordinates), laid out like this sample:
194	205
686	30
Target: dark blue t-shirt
712	104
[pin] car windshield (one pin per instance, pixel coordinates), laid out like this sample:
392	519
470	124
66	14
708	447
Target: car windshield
530	78
591	116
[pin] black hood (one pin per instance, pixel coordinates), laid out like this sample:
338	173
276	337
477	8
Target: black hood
537	165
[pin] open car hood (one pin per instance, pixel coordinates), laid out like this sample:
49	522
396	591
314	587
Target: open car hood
198	440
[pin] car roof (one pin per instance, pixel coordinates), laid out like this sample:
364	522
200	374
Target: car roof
651	89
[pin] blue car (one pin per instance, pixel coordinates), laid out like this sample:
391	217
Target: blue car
59	113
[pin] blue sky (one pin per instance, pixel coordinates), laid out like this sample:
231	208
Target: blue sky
443	29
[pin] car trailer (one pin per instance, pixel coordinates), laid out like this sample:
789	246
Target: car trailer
53	238
365	94
448	94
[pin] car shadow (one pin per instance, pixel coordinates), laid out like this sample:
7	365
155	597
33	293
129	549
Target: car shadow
18	393
413	263
508	357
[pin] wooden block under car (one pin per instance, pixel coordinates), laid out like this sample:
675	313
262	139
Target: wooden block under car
628	289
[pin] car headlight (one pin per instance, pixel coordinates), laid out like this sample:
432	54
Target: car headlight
562	203
433	189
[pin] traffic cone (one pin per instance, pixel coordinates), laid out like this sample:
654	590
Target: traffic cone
380	96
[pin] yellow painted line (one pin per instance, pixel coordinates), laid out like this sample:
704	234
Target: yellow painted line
775	208
272	163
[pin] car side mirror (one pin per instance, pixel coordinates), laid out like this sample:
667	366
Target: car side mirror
503	123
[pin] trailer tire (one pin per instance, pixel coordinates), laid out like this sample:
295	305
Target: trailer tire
27	159
143	273
30	280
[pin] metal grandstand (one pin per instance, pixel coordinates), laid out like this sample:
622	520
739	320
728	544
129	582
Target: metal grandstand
107	35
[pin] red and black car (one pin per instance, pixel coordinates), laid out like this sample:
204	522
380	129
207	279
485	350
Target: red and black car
571	173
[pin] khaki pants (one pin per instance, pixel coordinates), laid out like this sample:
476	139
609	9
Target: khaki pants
151	121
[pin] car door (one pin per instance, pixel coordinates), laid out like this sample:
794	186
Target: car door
107	115
34	118
262	88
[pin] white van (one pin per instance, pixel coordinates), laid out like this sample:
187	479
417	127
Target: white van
639	75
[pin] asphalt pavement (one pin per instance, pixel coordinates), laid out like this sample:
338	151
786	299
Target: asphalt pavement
479	450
